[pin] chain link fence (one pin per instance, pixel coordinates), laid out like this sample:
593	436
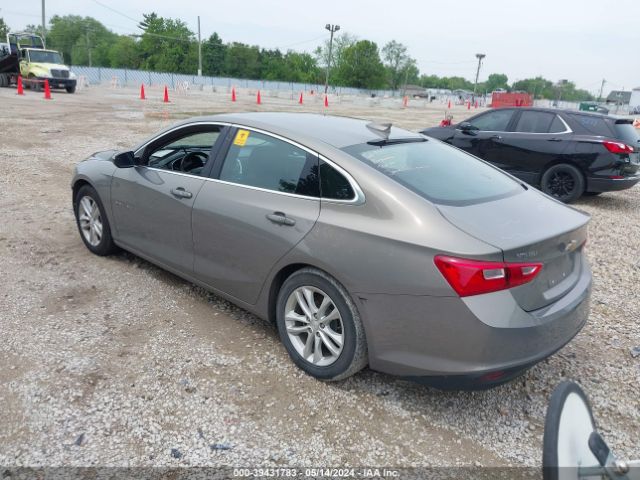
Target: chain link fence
127	77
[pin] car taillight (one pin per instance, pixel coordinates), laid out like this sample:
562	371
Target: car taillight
473	277
617	147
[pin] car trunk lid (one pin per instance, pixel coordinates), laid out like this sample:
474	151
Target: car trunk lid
529	227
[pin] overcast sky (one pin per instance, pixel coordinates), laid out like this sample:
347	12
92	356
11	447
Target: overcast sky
580	40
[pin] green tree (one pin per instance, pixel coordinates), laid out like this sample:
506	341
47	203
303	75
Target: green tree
361	66
242	61
301	67
272	65
399	64
124	53
4	29
340	43
167	45
75	37
213	55
496	81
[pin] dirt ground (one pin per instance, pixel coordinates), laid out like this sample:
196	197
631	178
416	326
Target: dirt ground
114	362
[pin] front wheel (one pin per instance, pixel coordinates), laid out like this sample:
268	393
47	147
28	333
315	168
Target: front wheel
568	426
92	222
319	326
564	182
71	89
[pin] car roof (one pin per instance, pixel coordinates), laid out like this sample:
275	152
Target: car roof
336	131
556	110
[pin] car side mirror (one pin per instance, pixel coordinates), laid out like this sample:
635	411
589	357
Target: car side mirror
467	127
124	160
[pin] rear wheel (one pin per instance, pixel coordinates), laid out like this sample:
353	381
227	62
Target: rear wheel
564	182
319	326
92	222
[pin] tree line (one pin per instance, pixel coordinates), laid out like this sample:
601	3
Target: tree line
168	45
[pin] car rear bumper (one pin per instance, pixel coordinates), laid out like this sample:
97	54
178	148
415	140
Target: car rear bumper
481	339
611	184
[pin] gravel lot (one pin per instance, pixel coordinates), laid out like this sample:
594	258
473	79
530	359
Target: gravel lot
114	362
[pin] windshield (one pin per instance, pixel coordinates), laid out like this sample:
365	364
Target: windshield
438	172
43	56
628	134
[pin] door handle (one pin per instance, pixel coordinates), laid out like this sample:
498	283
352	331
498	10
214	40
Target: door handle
281	219
555	139
181	192
496	138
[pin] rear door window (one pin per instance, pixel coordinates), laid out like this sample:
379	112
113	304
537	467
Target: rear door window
494	121
531	121
438	172
593	124
258	160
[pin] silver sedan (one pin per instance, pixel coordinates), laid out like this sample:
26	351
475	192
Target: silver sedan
364	243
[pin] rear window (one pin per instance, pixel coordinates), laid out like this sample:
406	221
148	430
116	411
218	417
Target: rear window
627	133
437	172
593	124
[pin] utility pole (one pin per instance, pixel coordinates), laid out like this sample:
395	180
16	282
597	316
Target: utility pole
86	36
332	29
479	56
601	89
199	50
43	26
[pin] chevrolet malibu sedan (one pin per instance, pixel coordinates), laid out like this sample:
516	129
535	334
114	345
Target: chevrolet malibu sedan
364	243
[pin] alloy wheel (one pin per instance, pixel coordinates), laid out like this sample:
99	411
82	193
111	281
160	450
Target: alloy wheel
90	220
314	326
561	184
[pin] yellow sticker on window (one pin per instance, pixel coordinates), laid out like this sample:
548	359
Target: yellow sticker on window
241	138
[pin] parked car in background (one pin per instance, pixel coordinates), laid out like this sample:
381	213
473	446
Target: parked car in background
365	244
564	153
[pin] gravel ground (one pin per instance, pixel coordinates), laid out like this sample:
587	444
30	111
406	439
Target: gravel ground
114	362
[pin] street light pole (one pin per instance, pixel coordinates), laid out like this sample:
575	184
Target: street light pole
332	29
479	56
199	50
43	24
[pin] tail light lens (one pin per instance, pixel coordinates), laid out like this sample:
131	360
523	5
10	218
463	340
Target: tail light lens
473	277
617	147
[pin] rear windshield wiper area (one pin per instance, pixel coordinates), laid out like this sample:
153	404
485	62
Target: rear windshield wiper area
396	141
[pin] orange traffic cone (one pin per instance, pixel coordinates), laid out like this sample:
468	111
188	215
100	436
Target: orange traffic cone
20	87
449	106
258	99
476	106
326	100
300	101
47	90
166	95
405	101
233	94
142	96
469	105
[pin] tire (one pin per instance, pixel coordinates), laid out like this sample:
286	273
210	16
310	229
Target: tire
344	324
566	433
71	89
34	84
85	202
563	182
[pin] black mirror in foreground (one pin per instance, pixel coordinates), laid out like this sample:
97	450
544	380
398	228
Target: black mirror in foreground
572	446
467	127
124	160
